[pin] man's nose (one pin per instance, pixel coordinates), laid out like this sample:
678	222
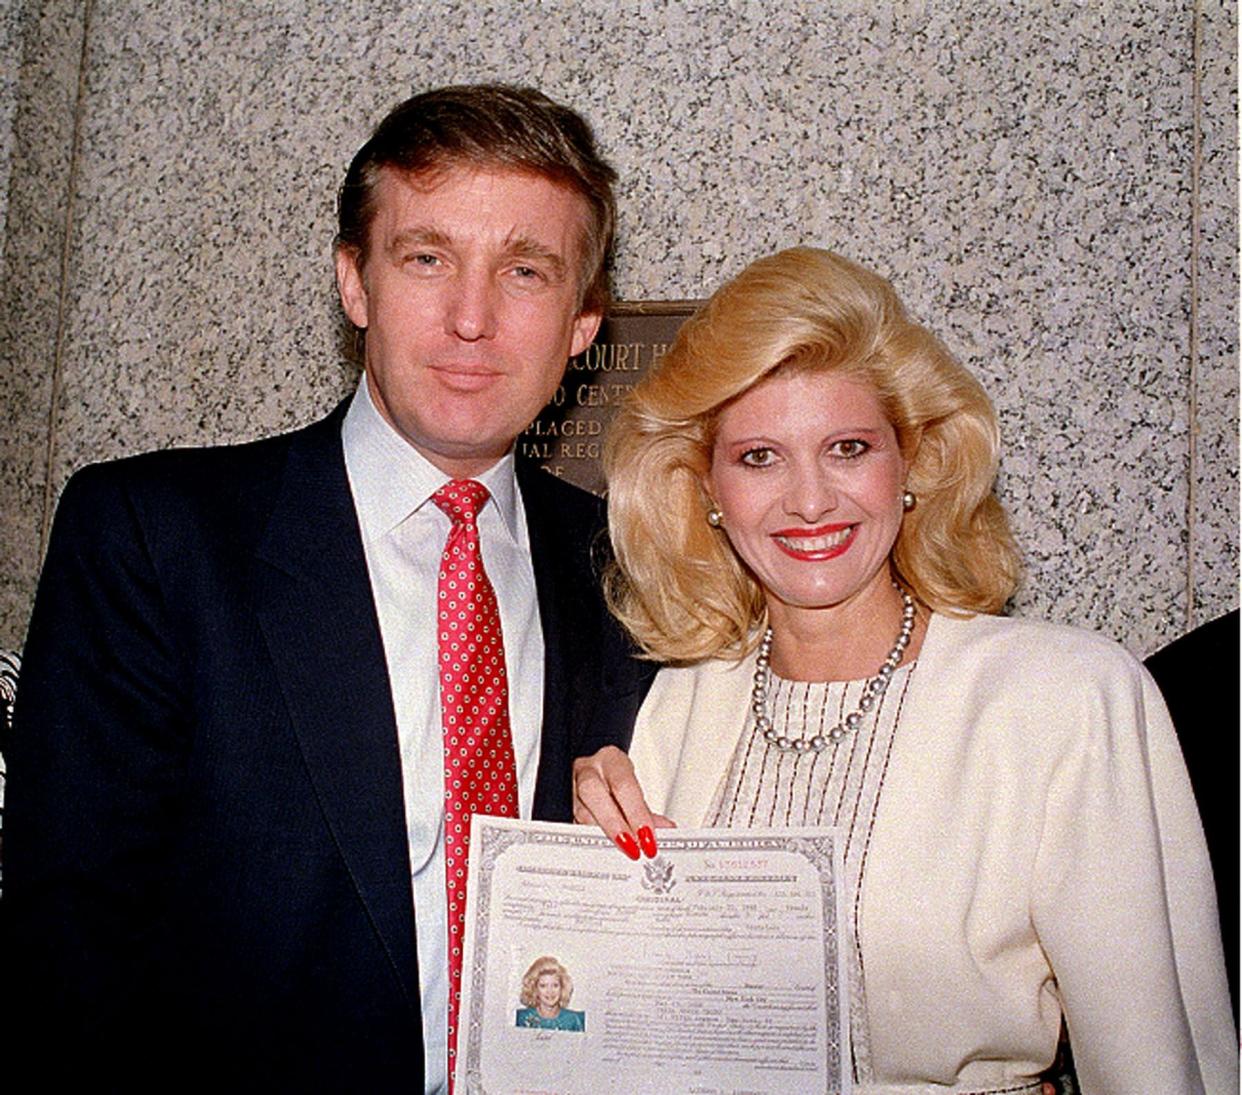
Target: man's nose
472	307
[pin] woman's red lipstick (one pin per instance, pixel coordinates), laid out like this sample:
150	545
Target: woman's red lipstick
816	544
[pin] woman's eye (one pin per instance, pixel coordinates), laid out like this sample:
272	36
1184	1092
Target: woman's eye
424	260
757	458
850	449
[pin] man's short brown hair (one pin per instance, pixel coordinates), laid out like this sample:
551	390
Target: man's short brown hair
487	126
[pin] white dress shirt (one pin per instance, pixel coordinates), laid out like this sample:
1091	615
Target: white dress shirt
403	536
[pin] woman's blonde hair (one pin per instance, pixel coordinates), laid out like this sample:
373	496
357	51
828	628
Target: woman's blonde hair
540	966
677	584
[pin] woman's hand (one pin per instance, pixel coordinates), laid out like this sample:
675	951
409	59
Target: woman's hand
607	794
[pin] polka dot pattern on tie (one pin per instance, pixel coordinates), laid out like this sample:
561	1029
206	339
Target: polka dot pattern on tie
480	775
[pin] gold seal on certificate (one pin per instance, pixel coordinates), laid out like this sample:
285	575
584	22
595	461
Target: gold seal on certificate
717	966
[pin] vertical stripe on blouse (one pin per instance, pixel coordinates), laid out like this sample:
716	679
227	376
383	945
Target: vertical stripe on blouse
769	787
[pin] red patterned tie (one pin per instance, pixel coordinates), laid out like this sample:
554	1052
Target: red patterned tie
480	776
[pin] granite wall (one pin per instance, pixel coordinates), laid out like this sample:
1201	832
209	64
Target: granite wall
10	63
1050	184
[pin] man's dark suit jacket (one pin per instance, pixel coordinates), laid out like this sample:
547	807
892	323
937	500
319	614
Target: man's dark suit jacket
206	868
1198	676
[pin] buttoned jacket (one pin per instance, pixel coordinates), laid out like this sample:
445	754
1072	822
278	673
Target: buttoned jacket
205	847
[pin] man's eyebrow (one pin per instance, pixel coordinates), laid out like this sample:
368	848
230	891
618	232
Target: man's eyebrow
420	236
523	247
518	247
527	247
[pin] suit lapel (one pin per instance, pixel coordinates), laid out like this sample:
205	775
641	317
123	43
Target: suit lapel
315	606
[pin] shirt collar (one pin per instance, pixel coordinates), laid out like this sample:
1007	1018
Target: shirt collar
390	479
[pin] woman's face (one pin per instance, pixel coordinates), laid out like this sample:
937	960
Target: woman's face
548	990
808	474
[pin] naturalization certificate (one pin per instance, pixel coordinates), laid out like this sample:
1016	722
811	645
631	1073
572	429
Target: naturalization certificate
717	967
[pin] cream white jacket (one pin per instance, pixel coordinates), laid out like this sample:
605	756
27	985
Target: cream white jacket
1036	848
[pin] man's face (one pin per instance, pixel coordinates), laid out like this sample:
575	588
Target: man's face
469	297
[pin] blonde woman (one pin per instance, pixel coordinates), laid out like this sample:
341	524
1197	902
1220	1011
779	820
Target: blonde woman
546	991
806	534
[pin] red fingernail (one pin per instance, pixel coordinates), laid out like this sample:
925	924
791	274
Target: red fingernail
627	844
646	838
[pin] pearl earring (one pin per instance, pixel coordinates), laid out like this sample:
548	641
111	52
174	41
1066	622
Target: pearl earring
715	518
908	500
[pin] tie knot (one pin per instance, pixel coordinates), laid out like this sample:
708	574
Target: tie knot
461	499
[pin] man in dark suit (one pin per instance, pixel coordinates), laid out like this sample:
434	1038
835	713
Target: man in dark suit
1198	676
224	846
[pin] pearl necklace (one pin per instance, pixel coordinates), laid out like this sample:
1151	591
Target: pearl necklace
873	690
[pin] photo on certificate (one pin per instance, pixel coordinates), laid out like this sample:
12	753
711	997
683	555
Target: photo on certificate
717	966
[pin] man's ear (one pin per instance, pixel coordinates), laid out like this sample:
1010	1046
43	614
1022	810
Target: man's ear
351	287
584	331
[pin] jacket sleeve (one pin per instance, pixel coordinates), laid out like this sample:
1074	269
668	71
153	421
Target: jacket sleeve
1124	903
95	762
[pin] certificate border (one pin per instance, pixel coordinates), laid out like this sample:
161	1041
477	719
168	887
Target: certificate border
819	847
